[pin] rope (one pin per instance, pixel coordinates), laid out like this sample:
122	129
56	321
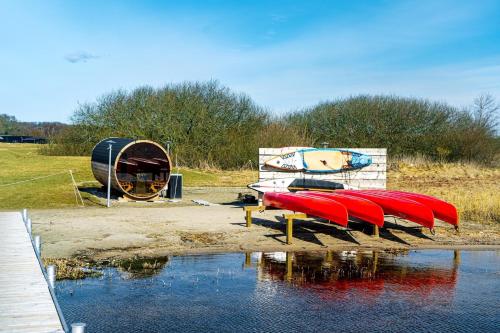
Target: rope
33	179
75	187
76	190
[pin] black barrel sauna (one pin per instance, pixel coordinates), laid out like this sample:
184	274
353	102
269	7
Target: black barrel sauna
140	169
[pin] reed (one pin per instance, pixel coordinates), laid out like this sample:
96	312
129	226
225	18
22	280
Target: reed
473	188
71	269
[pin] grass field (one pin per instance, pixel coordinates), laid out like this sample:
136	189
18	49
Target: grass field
20	164
474	189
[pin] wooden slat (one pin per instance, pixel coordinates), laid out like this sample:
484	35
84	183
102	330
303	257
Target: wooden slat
369	175
143	160
363	184
372	167
376	159
122	161
371	151
25	301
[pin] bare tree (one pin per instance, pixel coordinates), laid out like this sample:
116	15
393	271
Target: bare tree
486	112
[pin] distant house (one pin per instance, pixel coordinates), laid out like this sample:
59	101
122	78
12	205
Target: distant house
22	139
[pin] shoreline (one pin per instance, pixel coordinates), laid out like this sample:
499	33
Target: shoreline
81	267
216	251
185	229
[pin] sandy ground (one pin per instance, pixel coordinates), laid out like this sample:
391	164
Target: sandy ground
157	229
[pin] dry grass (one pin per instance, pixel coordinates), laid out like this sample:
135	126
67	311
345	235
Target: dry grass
71	269
136	264
474	189
202	238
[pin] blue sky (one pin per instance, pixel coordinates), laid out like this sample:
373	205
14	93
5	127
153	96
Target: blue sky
286	55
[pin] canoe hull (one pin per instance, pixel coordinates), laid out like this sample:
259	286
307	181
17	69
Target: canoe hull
357	207
319	207
442	210
400	207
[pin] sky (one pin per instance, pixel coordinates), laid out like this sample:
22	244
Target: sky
286	55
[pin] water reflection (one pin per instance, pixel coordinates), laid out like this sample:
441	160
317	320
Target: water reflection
412	291
332	273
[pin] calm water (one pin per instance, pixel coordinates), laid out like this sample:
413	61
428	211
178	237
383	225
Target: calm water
439	291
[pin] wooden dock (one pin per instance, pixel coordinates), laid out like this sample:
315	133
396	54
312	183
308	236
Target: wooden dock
26	303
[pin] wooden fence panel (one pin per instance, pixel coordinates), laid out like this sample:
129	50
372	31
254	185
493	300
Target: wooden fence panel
372	176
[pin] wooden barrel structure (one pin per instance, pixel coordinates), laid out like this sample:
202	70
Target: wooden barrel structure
140	169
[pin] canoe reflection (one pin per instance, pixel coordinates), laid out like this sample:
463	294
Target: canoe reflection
334	274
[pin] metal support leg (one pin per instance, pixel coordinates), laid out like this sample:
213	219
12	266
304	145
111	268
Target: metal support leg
25	214
329	257
456	258
375	262
289	224
78	327
51	273
248	259
375	233
248	213
38	245
249	218
289	230
289	266
28	225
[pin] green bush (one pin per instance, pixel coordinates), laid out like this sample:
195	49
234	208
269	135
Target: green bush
211	126
208	124
406	126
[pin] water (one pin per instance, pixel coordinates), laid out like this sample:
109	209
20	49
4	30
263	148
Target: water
424	291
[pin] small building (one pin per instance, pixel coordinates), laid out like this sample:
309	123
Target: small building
140	169
22	139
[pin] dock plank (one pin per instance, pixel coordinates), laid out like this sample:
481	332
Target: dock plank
25	301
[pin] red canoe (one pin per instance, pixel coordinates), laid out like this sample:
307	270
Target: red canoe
400	207
442	209
360	208
319	207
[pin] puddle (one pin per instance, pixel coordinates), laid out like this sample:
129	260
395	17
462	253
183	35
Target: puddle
425	290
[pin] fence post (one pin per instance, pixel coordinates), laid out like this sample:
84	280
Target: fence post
28	225
51	273
38	245
78	327
25	215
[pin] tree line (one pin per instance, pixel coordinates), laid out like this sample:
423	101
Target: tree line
209	125
9	125
406	126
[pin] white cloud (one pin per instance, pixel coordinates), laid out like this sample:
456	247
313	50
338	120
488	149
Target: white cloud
80	56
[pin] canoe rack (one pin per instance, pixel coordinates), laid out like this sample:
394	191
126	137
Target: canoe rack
248	213
289	221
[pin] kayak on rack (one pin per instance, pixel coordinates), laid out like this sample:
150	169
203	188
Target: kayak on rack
314	206
293	184
442	210
401	207
357	207
319	160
